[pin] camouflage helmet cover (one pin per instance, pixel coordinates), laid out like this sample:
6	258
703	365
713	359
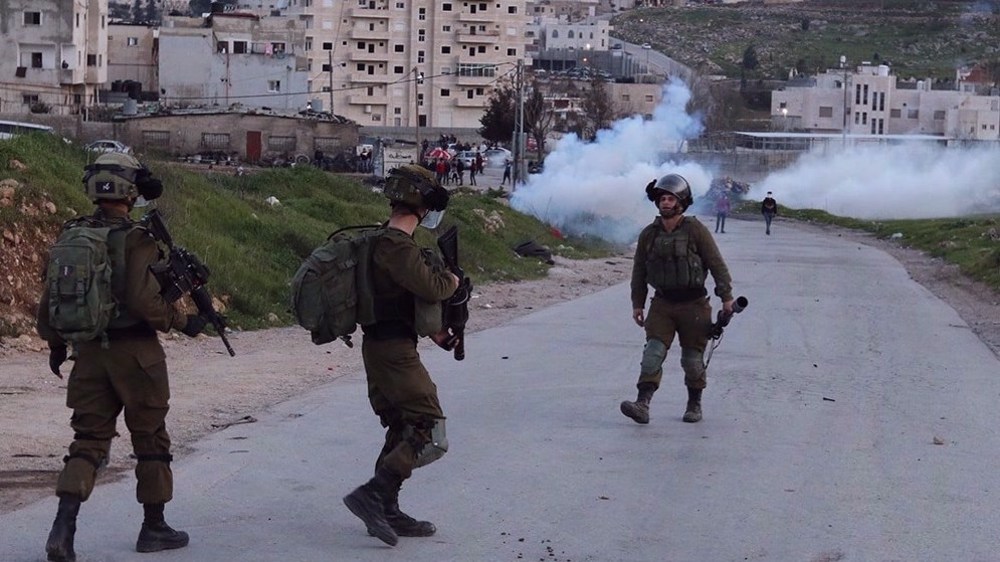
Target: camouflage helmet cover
415	186
112	176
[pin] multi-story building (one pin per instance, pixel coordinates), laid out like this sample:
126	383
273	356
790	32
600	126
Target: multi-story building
133	51
870	101
409	63
54	55
233	58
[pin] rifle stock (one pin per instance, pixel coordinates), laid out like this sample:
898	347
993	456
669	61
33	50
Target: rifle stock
184	274
455	309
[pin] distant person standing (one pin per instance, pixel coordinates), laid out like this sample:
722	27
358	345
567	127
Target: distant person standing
506	171
473	169
769	208
722	207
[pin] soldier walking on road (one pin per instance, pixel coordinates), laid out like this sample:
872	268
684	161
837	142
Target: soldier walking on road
768	208
672	255
409	284
123	367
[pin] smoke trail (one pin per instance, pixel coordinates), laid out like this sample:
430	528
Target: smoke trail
893	182
598	188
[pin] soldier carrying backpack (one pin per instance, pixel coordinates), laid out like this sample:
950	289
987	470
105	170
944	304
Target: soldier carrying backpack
101	297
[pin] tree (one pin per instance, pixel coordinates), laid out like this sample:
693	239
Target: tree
750	61
149	13
597	108
498	119
137	10
199	7
539	119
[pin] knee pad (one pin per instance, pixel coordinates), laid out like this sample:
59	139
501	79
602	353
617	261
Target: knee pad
693	363
653	355
433	444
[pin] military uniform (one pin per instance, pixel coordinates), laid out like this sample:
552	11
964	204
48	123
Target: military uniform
675	263
122	369
408	284
131	374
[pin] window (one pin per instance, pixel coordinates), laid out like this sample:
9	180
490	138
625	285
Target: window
511	9
939	115
420	57
569	35
274	85
215	141
864	118
36	60
397	70
78	20
160	139
278	48
32	18
309	43
445	92
401	5
91	60
826	111
446	7
512	52
399	48
397	111
240	47
477	70
327	67
222	47
912	113
376	117
421	35
446	28
281	144
649	98
895	113
327	46
626	97
445	49
422	14
29	99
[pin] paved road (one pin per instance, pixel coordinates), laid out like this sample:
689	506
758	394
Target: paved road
824	403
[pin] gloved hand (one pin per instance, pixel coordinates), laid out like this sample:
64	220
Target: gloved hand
57	356
445	339
195	325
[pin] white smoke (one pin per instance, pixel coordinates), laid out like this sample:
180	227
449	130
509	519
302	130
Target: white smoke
598	188
909	181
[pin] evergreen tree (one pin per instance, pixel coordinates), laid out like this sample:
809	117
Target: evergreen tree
498	119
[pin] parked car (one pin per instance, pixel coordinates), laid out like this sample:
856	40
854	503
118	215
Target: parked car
496	157
468	157
107	145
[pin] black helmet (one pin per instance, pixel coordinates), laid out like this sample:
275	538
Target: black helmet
415	186
673	184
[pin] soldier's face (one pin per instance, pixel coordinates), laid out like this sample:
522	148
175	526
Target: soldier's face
669	205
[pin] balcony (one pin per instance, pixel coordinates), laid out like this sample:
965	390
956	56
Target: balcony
365	56
359	12
477	102
479	37
365	99
357	78
474	80
369	35
478	17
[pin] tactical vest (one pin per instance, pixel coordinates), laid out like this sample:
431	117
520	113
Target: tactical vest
672	261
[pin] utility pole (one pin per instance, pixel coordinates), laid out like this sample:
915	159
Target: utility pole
418	78
519	128
330	57
843	65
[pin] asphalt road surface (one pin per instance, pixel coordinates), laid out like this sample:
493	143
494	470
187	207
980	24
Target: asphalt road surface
850	415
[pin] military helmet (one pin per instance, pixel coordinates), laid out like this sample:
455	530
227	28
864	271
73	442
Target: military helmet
675	185
113	175
415	186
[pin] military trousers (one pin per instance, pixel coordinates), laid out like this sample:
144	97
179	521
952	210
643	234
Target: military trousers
404	397
130	375
690	322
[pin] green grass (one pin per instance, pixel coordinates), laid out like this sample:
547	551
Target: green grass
252	248
965	242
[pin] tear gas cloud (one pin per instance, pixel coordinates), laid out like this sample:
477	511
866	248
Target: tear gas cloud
909	181
598	188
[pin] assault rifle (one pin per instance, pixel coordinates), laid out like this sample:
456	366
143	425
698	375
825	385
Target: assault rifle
455	310
184	274
721	321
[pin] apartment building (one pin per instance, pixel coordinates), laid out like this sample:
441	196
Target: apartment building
133	51
233	58
409	63
54	55
869	101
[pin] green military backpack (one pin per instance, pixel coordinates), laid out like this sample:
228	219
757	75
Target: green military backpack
332	290
81	301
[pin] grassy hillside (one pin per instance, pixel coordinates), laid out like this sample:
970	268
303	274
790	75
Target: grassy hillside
253	248
919	38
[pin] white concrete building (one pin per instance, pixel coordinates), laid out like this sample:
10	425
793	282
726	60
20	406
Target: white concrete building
133	50
237	58
366	58
873	103
54	55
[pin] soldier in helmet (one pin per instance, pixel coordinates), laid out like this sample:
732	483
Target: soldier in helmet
124	369
406	279
673	255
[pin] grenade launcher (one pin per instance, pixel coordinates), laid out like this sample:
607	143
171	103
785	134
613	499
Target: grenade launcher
455	309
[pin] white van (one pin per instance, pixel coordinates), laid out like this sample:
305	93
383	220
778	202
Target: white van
10	129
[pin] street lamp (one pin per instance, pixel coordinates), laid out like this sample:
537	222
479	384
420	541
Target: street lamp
418	80
784	119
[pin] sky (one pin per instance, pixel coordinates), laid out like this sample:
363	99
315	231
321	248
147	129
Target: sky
598	188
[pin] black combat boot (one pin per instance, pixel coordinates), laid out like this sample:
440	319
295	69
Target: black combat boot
59	547
693	412
155	534
403	524
366	502
639	410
